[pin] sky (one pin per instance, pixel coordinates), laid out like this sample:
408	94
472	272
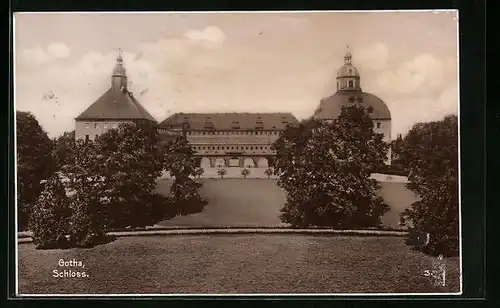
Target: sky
235	62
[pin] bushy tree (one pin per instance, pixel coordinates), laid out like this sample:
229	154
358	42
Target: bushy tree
131	161
63	150
430	151
179	160
34	163
87	187
221	172
245	172
325	169
49	220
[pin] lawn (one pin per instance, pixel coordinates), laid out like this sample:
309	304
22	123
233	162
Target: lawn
256	202
236	264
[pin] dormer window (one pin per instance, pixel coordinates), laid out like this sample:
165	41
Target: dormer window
235	125
351	99
370	109
351	84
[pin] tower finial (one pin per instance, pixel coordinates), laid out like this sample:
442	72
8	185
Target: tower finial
348	55
120	55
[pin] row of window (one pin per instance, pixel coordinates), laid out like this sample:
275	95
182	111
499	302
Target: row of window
235	133
231	147
105	125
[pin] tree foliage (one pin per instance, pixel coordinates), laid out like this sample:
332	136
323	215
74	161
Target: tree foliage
130	160
245	172
325	169
87	187
221	172
180	161
199	171
49	220
63	150
34	163
430	152
269	172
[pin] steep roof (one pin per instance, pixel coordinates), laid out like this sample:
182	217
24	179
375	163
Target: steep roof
116	104
230	121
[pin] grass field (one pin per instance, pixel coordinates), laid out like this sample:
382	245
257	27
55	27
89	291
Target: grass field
236	264
256	202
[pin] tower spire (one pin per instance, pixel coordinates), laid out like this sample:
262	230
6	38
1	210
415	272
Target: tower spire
119	76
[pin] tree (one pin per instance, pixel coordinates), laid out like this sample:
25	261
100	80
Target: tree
430	152
180	161
34	163
221	172
245	172
198	172
132	160
325	169
87	185
49	220
269	172
63	150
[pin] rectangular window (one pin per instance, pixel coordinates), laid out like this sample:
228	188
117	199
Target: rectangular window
105	125
87	125
87	137
378	124
95	125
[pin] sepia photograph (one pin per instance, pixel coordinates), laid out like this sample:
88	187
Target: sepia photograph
237	153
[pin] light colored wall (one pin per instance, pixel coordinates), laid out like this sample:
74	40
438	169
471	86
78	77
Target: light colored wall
220	143
93	128
385	128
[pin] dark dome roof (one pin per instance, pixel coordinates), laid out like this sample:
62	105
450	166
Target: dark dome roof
330	107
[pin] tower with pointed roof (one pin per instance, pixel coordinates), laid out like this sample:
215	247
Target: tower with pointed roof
115	106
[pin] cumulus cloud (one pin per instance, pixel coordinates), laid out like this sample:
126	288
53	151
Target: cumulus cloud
209	34
373	57
423	72
34	56
58	51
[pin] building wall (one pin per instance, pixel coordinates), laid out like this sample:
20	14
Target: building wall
384	127
93	128
233	142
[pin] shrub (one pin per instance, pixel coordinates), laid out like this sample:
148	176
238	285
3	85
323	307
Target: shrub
221	172
198	172
430	151
186	197
245	172
49	221
269	172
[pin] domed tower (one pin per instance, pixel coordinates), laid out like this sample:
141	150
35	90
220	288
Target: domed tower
349	93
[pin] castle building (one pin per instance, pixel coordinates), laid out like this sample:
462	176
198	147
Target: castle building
230	139
115	106
349	93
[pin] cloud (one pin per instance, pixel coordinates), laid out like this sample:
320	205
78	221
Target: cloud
424	72
373	57
58	51
208	35
34	56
